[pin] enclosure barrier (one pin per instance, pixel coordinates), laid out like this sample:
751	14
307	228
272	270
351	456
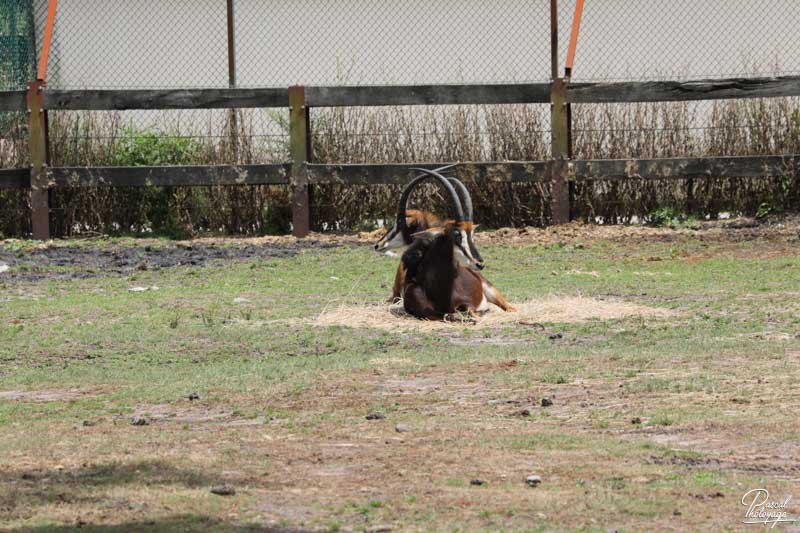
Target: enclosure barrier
302	172
561	172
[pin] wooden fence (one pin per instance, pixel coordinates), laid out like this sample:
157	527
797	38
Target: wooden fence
301	172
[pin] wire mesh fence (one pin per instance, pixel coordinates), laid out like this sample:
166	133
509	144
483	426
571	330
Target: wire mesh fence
184	43
129	44
683	39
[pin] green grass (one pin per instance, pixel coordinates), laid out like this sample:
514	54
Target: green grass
242	336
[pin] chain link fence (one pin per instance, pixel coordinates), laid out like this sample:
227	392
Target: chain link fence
183	43
169	44
642	40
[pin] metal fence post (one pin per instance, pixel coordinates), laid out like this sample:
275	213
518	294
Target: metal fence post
37	149
298	148
233	116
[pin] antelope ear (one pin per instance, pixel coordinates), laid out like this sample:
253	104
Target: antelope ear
428	234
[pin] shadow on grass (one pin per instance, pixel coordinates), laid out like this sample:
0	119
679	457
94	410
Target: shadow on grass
23	489
182	523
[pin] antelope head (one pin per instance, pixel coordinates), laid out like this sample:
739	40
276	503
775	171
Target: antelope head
397	238
411	221
462	227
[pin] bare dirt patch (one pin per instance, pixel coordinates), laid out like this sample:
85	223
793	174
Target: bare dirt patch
59	261
531	313
43	395
733	230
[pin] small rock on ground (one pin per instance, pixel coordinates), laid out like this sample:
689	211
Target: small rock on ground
376	416
533	481
139	421
223	490
477	482
546	402
401	428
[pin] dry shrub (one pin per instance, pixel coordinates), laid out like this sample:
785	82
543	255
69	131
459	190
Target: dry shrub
680	129
15	214
430	134
98	139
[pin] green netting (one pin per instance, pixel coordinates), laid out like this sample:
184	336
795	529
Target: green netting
17	56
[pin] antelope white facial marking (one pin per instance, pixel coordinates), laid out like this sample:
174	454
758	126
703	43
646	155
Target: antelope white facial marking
395	242
462	259
465	245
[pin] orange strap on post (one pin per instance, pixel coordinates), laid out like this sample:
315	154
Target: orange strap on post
48	37
573	38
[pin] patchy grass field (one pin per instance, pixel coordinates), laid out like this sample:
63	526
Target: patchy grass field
250	364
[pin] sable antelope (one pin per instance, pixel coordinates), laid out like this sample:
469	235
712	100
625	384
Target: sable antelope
400	235
438	270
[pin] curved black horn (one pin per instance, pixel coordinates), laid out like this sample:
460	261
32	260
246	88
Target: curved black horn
401	208
466	199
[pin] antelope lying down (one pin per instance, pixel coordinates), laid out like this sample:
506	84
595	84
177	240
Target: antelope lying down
438	274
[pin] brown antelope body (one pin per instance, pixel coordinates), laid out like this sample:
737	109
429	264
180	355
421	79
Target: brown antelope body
438	280
417	269
493	295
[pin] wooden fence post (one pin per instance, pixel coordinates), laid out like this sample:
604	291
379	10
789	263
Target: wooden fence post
559	126
560	131
298	147
37	149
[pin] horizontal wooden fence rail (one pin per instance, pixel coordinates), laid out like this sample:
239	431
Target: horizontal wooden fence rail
400	174
169	176
682	91
12	101
685	167
15	178
165	99
391	95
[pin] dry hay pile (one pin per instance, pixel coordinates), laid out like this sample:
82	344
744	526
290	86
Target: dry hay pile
552	309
